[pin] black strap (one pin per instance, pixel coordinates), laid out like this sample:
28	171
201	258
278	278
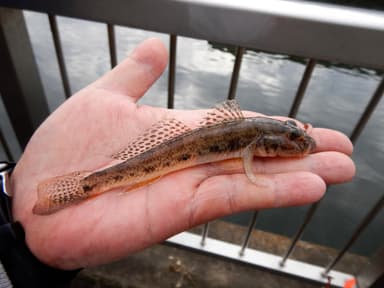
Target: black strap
9	233
22	267
5	201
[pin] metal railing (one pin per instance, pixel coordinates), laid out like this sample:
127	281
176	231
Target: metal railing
350	36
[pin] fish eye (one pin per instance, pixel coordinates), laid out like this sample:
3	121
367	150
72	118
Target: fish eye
294	134
291	123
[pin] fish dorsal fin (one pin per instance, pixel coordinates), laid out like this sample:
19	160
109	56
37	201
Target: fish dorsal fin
155	135
224	112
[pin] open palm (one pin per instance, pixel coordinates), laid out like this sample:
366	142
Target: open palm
100	120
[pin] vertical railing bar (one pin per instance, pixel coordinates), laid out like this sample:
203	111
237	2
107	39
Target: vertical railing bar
249	233
368	111
112	44
235	73
6	149
302	87
368	218
21	87
371	275
204	234
172	70
299	233
59	54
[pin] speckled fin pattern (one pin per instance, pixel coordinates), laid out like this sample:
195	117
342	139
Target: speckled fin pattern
157	134
57	192
224	112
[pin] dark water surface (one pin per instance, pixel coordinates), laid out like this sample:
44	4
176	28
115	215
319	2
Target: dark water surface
335	98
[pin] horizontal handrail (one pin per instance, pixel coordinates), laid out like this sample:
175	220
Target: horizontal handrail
313	30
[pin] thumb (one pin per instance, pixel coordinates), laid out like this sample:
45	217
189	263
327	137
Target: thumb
138	71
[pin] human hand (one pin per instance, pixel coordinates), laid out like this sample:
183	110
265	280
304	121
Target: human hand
100	120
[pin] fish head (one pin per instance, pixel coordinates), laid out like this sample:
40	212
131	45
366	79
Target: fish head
296	141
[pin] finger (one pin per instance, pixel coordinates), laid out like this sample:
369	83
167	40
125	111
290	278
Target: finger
214	197
333	167
332	140
222	195
138	71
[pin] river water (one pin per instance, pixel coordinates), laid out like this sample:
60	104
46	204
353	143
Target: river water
335	99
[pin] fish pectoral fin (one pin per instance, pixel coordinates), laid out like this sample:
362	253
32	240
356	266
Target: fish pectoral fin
248	154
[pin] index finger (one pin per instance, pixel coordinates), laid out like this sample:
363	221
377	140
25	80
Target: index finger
331	140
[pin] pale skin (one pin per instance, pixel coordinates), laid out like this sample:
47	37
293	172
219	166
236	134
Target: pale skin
101	119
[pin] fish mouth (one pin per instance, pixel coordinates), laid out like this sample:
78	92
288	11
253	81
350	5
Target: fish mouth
306	145
302	146
311	143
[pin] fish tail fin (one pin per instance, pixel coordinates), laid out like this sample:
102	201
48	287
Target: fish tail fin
56	193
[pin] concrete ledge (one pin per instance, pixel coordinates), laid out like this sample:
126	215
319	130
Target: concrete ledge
163	266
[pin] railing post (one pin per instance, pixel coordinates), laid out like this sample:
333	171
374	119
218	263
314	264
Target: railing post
5	147
20	85
299	233
204	234
172	70
235	73
302	87
377	95
372	275
251	227
59	54
360	228
112	44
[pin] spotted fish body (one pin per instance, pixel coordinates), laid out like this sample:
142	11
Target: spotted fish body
224	134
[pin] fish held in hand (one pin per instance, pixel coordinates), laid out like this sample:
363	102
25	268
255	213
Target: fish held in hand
171	146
